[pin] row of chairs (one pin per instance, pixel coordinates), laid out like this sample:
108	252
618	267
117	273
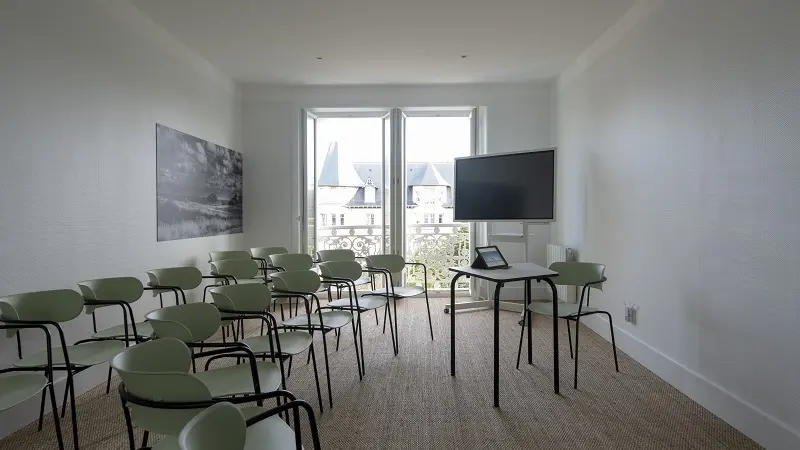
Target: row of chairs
238	293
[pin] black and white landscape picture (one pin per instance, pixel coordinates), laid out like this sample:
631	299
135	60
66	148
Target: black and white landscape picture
199	187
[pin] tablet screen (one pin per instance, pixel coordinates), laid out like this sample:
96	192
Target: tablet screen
492	257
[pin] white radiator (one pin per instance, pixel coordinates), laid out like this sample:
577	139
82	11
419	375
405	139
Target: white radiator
560	253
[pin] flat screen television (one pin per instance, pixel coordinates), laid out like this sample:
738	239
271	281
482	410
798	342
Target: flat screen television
506	186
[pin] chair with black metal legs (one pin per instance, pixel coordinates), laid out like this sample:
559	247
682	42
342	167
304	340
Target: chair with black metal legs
587	276
51	309
344	273
239	271
264	256
250	301
290	262
345	254
160	394
20	387
224	426
194	323
388	266
117	291
305	284
178	280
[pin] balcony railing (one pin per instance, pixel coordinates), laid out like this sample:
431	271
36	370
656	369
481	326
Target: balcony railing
438	246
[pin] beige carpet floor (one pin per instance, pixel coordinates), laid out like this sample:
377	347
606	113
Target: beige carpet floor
411	402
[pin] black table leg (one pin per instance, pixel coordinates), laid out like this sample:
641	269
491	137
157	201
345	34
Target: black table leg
555	334
453	324
497	344
529	324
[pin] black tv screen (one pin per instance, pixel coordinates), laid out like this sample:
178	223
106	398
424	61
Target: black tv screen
508	186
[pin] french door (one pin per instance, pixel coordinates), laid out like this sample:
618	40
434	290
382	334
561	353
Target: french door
381	181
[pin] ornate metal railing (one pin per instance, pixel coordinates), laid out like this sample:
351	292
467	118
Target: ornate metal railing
438	246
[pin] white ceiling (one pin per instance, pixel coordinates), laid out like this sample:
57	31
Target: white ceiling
382	41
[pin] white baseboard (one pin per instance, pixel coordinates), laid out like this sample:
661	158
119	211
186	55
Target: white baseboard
753	422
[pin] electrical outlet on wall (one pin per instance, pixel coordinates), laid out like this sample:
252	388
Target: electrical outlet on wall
630	313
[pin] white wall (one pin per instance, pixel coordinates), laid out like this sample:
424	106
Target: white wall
679	162
518	117
82	88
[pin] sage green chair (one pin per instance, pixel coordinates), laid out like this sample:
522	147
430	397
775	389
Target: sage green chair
344	254
228	254
178	280
304	284
388	266
346	273
264	255
20	387
224	426
122	292
160	394
51	309
586	276
250	301
194	323
290	262
238	270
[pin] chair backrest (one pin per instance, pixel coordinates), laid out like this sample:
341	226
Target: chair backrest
267	252
350	270
228	254
219	426
192	322
241	269
124	289
292	261
339	254
392	263
303	281
59	305
186	278
158	371
251	297
578	274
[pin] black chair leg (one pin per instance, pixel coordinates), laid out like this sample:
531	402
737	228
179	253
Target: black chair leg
145	438
389	313
64	403
577	330
289	371
428	304
613	342
569	336
385	313
316	376
70	383
355	343
396	329
338	335
377	322
521	334
56	420
327	368
361	342
41	409
108	380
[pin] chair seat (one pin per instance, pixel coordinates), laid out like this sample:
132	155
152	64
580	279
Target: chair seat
292	343
365	303
399	291
17	388
564	309
143	330
271	433
236	380
330	319
84	355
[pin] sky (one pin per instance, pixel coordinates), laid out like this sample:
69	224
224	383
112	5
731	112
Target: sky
428	139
